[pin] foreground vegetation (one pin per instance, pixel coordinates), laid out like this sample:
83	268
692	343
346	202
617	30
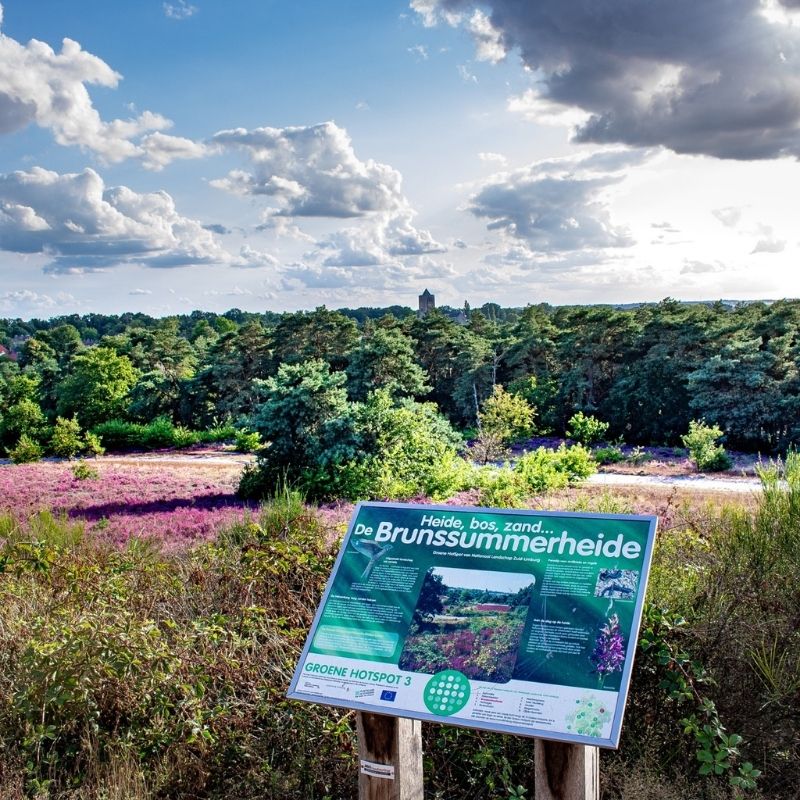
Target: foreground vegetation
134	673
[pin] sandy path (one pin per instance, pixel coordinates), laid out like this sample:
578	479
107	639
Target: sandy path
698	483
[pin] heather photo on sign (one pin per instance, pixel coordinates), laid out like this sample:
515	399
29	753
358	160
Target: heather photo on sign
460	623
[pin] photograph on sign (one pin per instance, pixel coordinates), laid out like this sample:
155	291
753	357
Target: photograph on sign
517	621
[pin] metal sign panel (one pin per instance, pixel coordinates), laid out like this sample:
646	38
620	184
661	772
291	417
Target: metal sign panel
522	622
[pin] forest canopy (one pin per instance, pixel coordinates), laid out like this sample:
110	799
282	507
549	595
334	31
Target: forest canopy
647	371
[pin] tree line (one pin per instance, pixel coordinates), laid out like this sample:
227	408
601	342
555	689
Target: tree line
647	371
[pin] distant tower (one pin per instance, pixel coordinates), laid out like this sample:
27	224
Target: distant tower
427	302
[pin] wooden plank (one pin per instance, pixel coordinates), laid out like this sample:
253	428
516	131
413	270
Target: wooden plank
390	758
566	771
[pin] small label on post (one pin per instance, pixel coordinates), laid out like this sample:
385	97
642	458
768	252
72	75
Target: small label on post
375	770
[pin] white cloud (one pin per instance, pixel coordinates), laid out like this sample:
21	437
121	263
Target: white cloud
419	51
493	158
769	245
466	74
85	226
488	39
161	149
692	267
142	292
254	259
310	171
27	299
313	171
559	205
381	241
540	109
729	216
41	86
179	10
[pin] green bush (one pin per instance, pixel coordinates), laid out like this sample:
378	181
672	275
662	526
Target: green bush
246	441
586	429
83	472
534	473
218	433
66	440
333	448
24	417
25	451
506	417
161	433
116	435
609	455
701	442
405	449
93	445
130	673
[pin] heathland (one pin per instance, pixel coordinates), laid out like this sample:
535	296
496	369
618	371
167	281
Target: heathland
152	608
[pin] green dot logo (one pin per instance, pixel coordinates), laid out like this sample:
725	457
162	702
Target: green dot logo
446	692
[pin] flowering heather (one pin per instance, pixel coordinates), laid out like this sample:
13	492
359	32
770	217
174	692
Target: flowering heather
171	504
609	650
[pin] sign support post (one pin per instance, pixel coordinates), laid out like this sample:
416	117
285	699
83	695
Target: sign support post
566	771
390	758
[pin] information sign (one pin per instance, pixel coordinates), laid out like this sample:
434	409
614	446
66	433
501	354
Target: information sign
524	622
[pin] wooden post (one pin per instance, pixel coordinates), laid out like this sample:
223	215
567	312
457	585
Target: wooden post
566	771
390	758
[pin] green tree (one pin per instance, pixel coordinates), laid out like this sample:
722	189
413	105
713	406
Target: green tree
224	388
702	444
744	389
97	388
440	346
23	418
66	440
649	399
306	421
508	417
429	602
403	449
321	334
384	359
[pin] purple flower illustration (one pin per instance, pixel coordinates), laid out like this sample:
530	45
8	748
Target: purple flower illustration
609	650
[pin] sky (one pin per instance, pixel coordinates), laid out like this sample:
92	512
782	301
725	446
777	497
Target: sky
509	582
171	155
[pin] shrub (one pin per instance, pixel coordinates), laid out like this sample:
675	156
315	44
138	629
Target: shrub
66	440
161	433
506	417
534	473
701	442
246	441
609	455
332	448
586	429
24	417
218	433
25	451
83	472
92	444
405	449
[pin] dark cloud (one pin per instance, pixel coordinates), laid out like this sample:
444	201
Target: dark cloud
718	77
